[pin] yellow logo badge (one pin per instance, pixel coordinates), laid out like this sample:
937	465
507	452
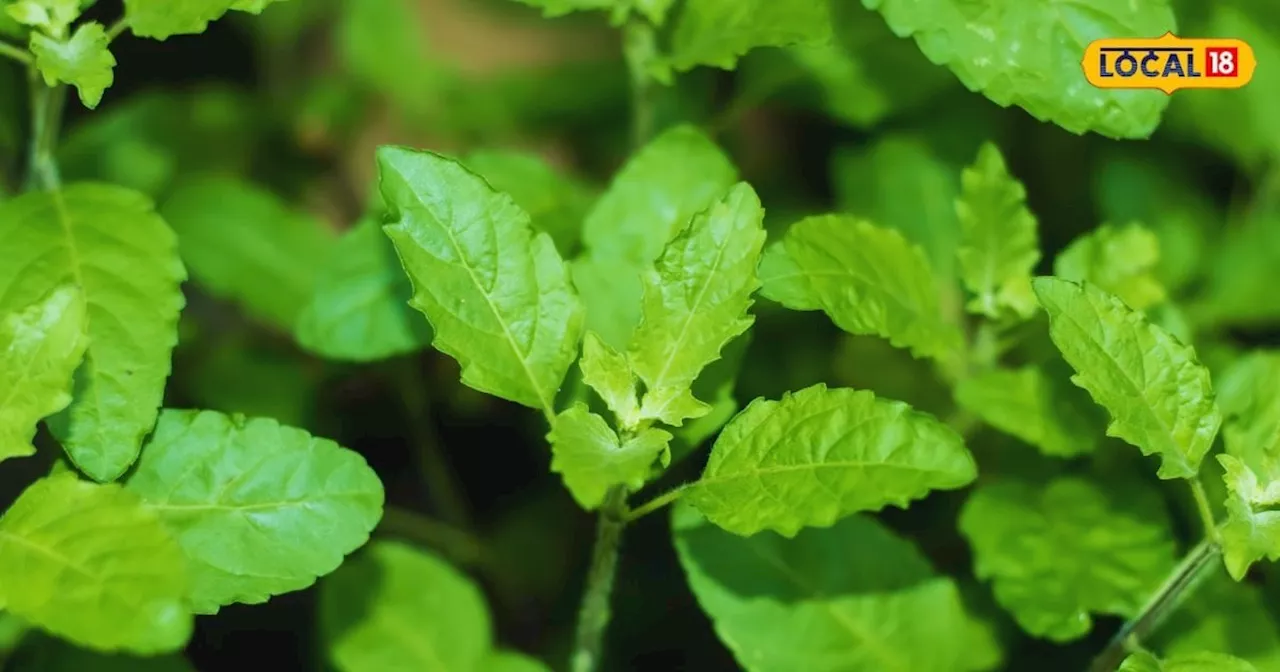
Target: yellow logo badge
1168	63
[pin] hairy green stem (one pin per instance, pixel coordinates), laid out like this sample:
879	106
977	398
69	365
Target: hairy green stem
655	504
593	615
46	118
458	544
1179	584
1206	511
16	53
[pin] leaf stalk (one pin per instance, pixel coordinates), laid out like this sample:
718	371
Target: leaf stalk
594	614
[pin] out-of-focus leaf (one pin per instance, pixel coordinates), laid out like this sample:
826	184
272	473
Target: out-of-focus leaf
1222	615
48	654
1035	405
236	375
718	32
1199	661
1120	260
557	203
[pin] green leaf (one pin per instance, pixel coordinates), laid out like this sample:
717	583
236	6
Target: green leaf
394	608
1058	553
1222	615
48	654
821	454
162	19
375	39
93	236
555	202
1028	403
1252	463
359	308
1158	394
554	8
850	598
90	564
245	244
240	374
1028	54
662	186
1188	662
508	661
258	508
40	348
1121	261
593	459
999	246
608	372
718	32
695	302
83	61
869	280
497	294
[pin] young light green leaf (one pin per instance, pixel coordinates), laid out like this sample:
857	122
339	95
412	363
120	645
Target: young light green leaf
608	372
245	244
821	454
90	564
1012	53
498	296
718	32
695	302
91	236
1188	662
359	309
1046	412
1252	463
40	349
853	597
162	19
83	61
259	509
369	607
662	186
999	246
1041	547
592	458
869	280
556	203
1121	261
1158	394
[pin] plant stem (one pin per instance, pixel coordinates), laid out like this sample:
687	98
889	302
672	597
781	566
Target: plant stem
639	44
654	504
116	29
451	541
437	474
46	116
1162	603
16	53
1206	511
593	615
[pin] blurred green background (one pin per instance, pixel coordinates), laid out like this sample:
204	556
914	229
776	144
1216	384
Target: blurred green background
293	102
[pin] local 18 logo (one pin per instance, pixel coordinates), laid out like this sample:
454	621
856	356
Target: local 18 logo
1168	63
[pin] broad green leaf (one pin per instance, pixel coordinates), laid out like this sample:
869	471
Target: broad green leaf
47	654
1201	661
1252	463
40	349
83	61
695	302
508	661
869	280
901	183
394	608
1119	260
821	454
608	372
1222	615
853	597
1059	553
359	307
718	32
259	509
497	294
92	236
593	459
161	19
1029	403
90	564
652	198
245	244
1027	53
999	246
556	203
1157	392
